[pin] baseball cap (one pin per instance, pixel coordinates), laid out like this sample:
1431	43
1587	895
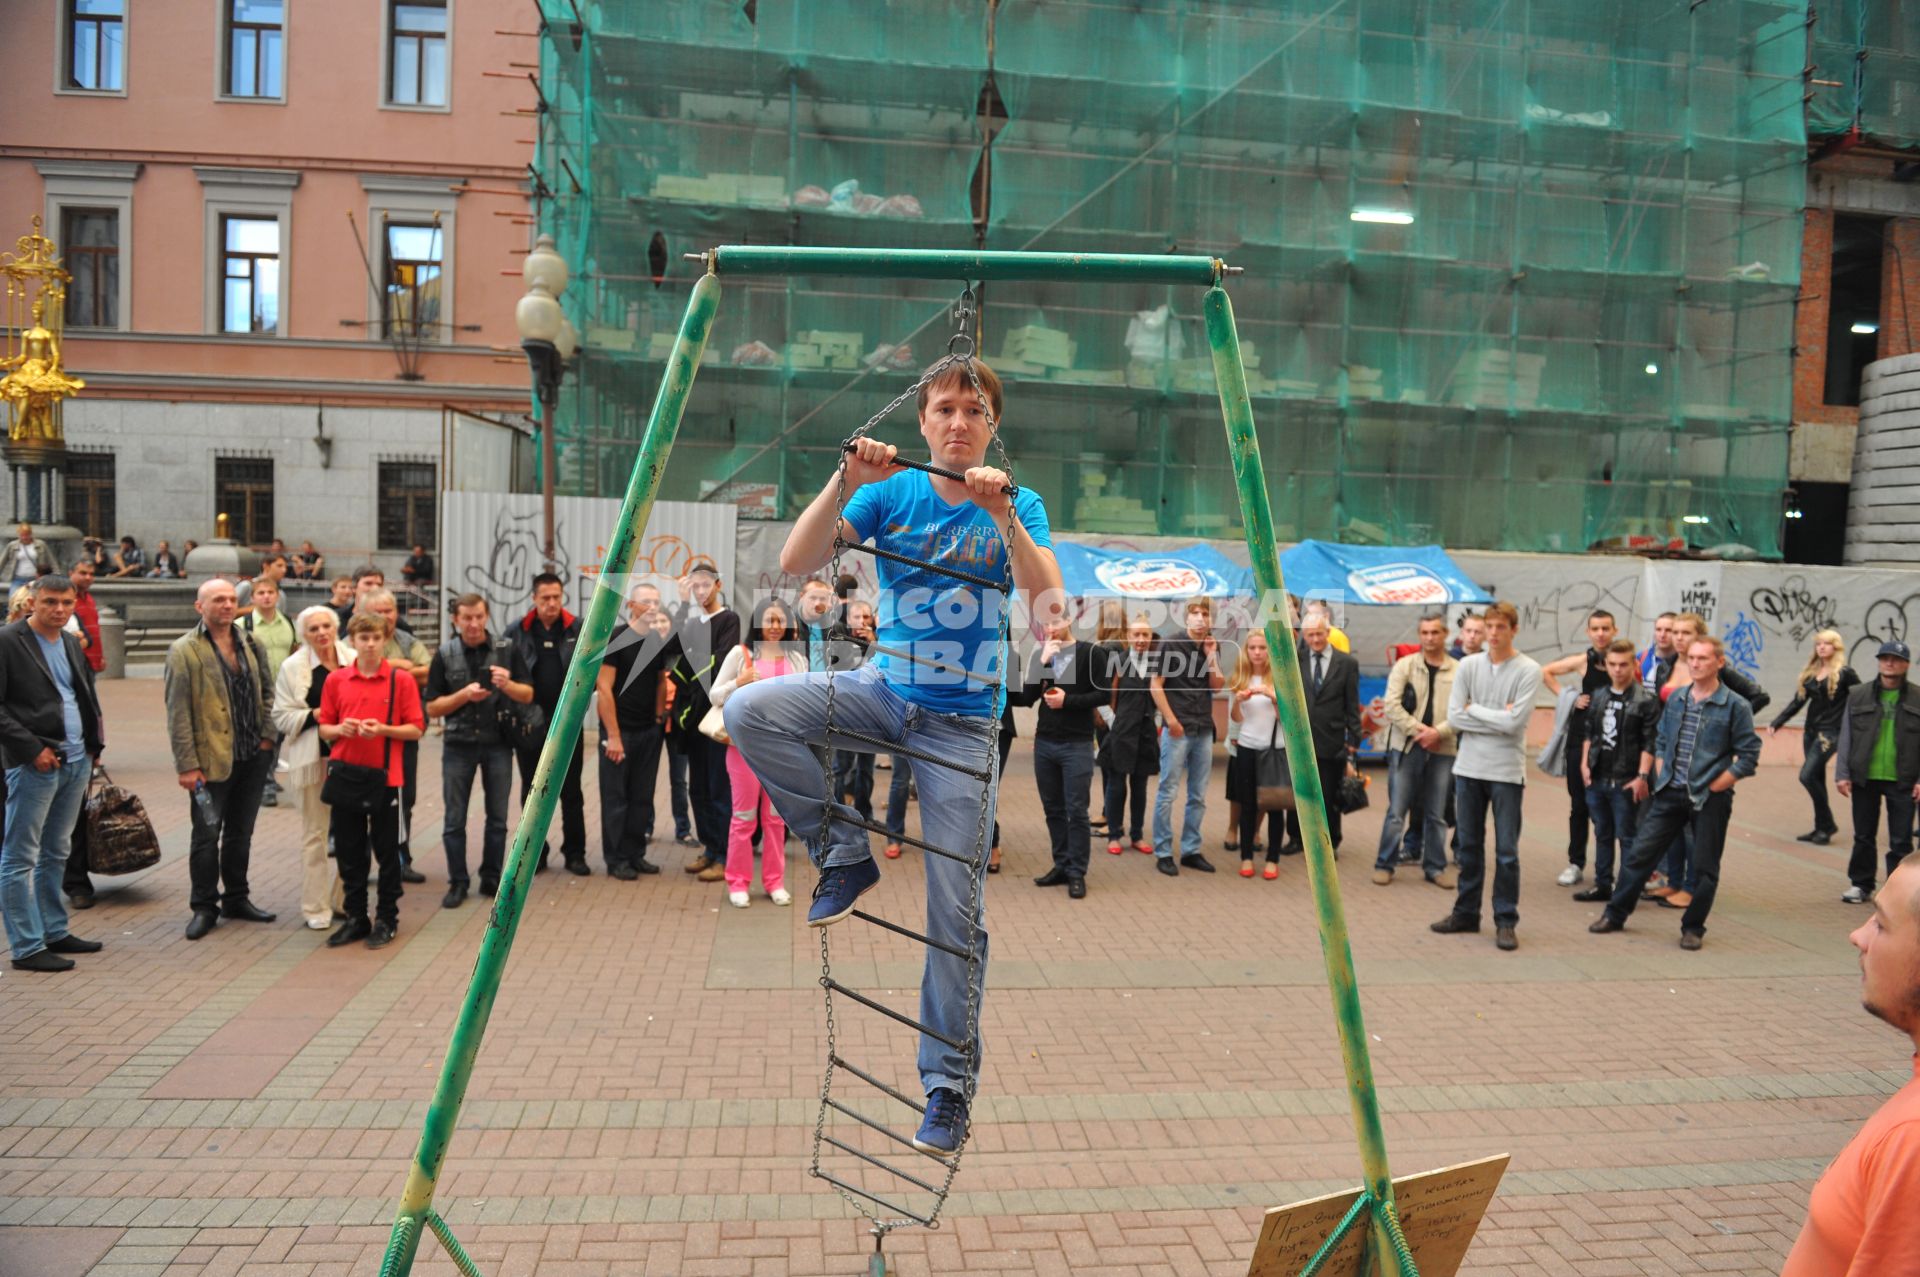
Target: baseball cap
1894	647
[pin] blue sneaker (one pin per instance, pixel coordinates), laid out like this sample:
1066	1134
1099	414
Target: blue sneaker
840	886
945	1124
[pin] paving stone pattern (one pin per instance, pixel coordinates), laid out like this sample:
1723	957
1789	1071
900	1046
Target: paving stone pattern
1161	1065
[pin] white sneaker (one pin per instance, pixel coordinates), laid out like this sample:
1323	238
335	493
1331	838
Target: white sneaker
781	896
1855	896
738	899
1571	875
319	924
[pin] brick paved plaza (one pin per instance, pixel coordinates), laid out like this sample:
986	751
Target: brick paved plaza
1161	1066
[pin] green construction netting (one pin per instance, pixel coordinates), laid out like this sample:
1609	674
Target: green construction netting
1866	70
1518	275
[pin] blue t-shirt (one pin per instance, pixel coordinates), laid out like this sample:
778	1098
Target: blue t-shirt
936	617
56	653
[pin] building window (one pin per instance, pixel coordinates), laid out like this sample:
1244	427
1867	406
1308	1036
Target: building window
1853	304
96	32
89	494
409	495
256	44
250	275
90	245
243	491
417	52
411	303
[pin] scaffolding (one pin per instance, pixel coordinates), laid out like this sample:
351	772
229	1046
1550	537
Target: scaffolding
1520	274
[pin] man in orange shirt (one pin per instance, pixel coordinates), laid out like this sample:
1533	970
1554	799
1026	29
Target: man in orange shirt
1861	1220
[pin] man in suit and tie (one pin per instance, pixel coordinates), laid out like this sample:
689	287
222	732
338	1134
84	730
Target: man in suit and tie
1332	681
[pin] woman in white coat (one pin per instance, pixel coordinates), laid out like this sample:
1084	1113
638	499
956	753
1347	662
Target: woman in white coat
296	697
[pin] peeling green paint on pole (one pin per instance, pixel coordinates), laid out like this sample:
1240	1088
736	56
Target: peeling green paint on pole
416	1202
1248	474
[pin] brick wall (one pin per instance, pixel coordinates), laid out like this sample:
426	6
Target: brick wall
1810	326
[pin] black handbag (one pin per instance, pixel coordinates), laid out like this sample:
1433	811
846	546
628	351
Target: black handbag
1273	783
354	786
1353	793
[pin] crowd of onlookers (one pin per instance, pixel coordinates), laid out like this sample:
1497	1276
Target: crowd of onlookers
265	707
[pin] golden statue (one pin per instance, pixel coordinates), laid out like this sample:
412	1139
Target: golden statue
35	384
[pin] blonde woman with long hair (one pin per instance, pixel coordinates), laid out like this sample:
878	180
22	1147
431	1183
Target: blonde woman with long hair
1822	689
1252	703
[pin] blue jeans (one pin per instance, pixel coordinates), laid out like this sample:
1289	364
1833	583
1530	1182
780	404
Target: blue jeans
1416	778
1190	756
42	809
458	763
779	727
1471	799
1615	817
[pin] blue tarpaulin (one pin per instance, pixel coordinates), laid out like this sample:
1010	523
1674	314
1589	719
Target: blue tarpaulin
1410	575
1091	572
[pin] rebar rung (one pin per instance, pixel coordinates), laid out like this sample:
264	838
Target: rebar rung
971	578
992	680
888	1167
918	755
890	836
877	1084
891	1134
901	1211
890	1013
929	941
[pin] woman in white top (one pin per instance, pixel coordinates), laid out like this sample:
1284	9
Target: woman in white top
1251	703
296	697
765	654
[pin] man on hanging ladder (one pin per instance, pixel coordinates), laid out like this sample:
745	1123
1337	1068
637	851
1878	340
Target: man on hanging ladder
942	542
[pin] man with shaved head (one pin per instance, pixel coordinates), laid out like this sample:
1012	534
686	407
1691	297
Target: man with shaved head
219	693
1860	1219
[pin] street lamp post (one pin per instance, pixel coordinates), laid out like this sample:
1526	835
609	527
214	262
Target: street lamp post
548	338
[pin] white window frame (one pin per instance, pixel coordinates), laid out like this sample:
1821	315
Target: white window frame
414	200
245	192
386	64
65	47
95	184
222	73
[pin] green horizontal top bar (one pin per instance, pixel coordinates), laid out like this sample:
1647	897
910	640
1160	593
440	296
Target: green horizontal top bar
935	263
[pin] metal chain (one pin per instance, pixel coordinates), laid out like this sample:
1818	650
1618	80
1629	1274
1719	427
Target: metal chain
963	313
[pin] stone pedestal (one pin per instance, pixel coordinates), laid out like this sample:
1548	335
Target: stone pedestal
223	557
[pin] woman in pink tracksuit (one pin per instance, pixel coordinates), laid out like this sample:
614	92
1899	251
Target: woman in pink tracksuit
766	653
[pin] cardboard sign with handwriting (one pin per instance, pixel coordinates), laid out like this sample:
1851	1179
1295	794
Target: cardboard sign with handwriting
1439	1212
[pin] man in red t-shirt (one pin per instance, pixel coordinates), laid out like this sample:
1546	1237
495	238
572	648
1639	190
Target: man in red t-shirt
86	610
1861	1221
364	708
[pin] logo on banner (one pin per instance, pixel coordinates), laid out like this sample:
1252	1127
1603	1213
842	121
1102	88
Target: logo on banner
1398	583
1151	578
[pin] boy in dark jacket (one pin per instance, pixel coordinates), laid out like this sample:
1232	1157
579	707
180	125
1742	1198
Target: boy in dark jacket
1622	720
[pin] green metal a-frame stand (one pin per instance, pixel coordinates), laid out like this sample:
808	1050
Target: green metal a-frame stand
1387	1250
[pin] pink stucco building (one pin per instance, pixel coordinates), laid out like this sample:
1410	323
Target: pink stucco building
294	229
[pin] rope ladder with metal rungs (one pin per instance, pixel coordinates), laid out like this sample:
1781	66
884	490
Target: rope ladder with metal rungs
874	1152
